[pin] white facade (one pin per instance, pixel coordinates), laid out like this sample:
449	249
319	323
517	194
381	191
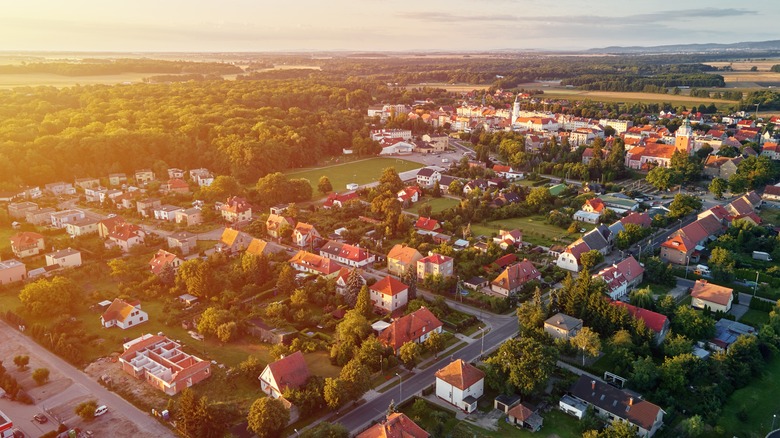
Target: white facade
568	262
390	302
62	218
166	212
68	258
587	217
455	396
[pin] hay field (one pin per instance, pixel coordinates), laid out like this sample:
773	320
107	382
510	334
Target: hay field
627	96
449	87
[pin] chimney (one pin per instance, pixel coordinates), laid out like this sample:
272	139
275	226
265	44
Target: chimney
631	401
593	385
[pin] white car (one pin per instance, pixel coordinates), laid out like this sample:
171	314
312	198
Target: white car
102	409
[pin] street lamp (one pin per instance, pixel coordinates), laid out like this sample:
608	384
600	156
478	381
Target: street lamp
687	260
755	286
774	417
482	349
297	433
400	388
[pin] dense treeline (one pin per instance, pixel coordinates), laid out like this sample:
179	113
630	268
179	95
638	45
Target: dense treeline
242	128
641	83
97	67
766	99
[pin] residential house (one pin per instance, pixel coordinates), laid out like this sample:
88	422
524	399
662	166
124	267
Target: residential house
184	240
18	210
189	217
641	219
619	203
409	195
771	194
12	271
177	185
460	384
271	335
117	179
401	258
649	156
204	179
414	327
195	173
346	254
145	207
338	200
434	264
82	227
426	225
594	205
27	244
126	236
64	217
507	172
343	277
524	417
105	226
175	173
509	238
236	210
87	183
475	184
389	294
562	326
727	332
569	259
65	258
589	153
708	295
257	247
162	363
771	150
289	372
166	212
586	217
164	260
60	188
143	176
305	234
305	261
599	239
40	216
233	241
622	277
614	404
721	167
123	314
656	322
275	225
686	244
395	425
514	277
109	195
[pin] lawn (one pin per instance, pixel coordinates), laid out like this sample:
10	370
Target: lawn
5	238
556	424
754	317
535	230
759	400
770	215
657	289
360	172
437	204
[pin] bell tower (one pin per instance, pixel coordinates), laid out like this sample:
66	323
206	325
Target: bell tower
683	138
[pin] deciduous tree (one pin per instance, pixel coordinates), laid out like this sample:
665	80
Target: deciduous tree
588	342
410	353
324	186
267	417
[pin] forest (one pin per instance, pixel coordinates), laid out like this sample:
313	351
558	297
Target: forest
246	129
97	67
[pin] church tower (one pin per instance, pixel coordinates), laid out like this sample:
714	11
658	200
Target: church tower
683	138
515	110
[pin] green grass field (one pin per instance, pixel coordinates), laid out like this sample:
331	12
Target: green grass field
754	317
5	236
770	215
437	204
760	402
360	172
535	230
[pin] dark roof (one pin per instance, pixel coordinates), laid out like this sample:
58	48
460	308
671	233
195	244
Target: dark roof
619	403
595	240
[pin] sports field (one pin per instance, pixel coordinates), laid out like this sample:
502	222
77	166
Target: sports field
758	401
360	172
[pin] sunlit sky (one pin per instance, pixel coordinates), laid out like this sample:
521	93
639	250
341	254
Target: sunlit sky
454	25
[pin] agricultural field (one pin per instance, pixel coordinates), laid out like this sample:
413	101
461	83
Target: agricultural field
629	96
535	230
360	172
437	204
455	88
757	402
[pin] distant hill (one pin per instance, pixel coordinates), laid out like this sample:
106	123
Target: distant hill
762	46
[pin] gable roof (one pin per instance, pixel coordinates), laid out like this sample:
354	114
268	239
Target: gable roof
409	327
403	254
307	260
713	293
276	222
344	250
517	275
641	219
290	371
119	310
595	240
160	260
256	246
426	223
389	286
435	259
303	228
396	425
125	232
596	204
619	403
630	268
654	321
460	374
25	239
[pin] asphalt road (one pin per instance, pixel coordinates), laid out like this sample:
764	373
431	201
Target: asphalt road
82	384
362	416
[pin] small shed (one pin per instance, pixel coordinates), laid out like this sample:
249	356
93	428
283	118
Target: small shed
506	402
525	417
380	326
272	335
188	299
475	283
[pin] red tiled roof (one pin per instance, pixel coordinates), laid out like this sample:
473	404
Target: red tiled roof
409	327
641	219
654	321
596	204
335	198
520	412
125	232
236	205
713	293
460	374
160	260
177	183
435	259
516	275
426	223
290	371
396	425
389	286
679	243
772	190
118	310
630	268
25	239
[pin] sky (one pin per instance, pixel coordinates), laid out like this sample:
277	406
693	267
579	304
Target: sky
374	25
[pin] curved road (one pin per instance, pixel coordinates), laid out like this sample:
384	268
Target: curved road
361	417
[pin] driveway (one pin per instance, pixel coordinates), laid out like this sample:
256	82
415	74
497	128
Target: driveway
74	386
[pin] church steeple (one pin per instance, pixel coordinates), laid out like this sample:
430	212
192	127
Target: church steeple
683	138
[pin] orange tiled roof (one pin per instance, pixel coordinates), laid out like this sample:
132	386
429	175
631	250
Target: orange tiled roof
460	374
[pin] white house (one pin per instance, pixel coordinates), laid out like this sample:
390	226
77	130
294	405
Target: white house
460	384
166	212
66	258
123	315
587	217
717	298
389	293
288	372
428	177
304	233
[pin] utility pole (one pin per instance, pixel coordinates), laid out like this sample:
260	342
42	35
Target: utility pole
755	286
400	388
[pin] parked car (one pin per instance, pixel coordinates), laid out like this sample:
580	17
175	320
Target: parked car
40	418
102	409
